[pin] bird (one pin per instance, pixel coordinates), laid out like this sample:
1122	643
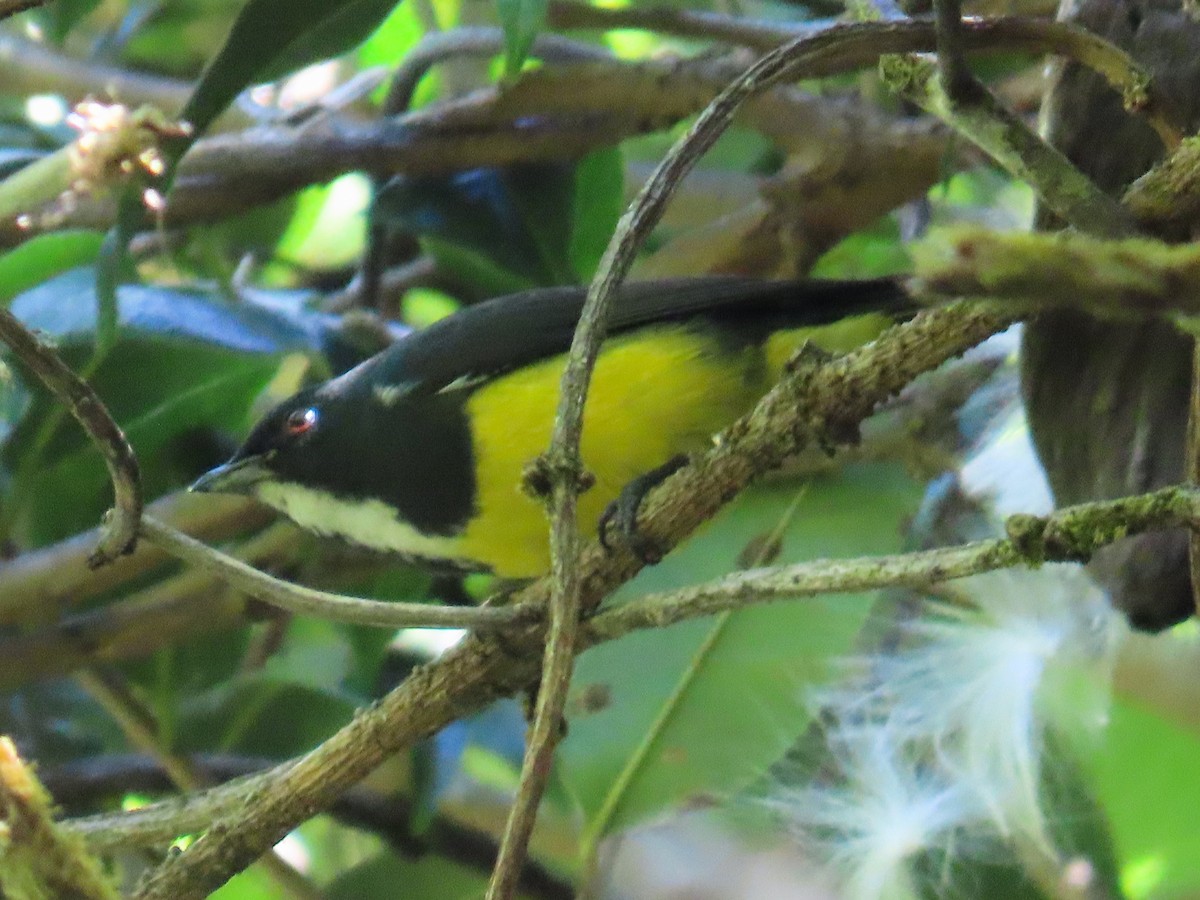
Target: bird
419	451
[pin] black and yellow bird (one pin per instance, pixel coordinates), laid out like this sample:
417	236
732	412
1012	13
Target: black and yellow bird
419	451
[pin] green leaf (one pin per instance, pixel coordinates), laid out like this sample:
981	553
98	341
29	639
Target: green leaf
510	226
56	19
185	367
704	707
871	253
41	258
262	716
70	487
522	21
273	37
598	202
254	883
1145	778
390	876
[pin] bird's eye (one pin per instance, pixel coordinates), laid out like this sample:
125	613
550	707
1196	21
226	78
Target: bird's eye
300	421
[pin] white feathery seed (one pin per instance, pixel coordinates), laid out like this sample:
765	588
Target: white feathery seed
939	737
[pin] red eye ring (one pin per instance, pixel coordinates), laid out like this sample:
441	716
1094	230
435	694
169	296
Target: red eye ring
300	421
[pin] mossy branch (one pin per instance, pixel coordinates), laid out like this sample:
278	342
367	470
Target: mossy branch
1029	271
38	861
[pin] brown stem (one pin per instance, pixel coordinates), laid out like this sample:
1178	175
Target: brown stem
121	527
55	579
81	784
546	115
331	607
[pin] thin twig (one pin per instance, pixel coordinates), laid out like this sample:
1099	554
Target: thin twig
440	46
1068	535
56	577
139	725
28	68
394	282
322	604
545	115
976	114
121	527
81	784
388	816
172	610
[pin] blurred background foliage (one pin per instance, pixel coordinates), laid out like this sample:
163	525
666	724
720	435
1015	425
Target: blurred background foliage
198	325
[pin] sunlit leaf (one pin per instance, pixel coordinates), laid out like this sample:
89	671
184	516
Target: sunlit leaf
1145	777
273	37
41	258
521	20
701	709
598	200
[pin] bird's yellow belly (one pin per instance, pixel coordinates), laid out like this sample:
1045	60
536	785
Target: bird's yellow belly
655	393
653	396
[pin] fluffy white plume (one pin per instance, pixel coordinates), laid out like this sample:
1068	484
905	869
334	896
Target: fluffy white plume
883	811
940	736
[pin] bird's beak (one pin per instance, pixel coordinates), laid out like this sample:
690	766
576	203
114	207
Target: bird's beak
236	477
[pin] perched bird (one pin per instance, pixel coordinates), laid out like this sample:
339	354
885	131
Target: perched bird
419	451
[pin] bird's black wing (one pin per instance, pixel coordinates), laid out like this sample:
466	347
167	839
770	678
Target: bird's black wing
508	332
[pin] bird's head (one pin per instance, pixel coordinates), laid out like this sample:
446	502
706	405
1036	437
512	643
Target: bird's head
285	447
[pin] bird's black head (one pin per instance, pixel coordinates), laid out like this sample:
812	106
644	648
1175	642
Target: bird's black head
330	454
287	445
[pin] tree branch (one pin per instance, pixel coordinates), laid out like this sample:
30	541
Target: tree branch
757	34
1030	271
55	579
120	529
390	816
331	607
439	46
1167	197
39	860
1071	534
1006	139
549	115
